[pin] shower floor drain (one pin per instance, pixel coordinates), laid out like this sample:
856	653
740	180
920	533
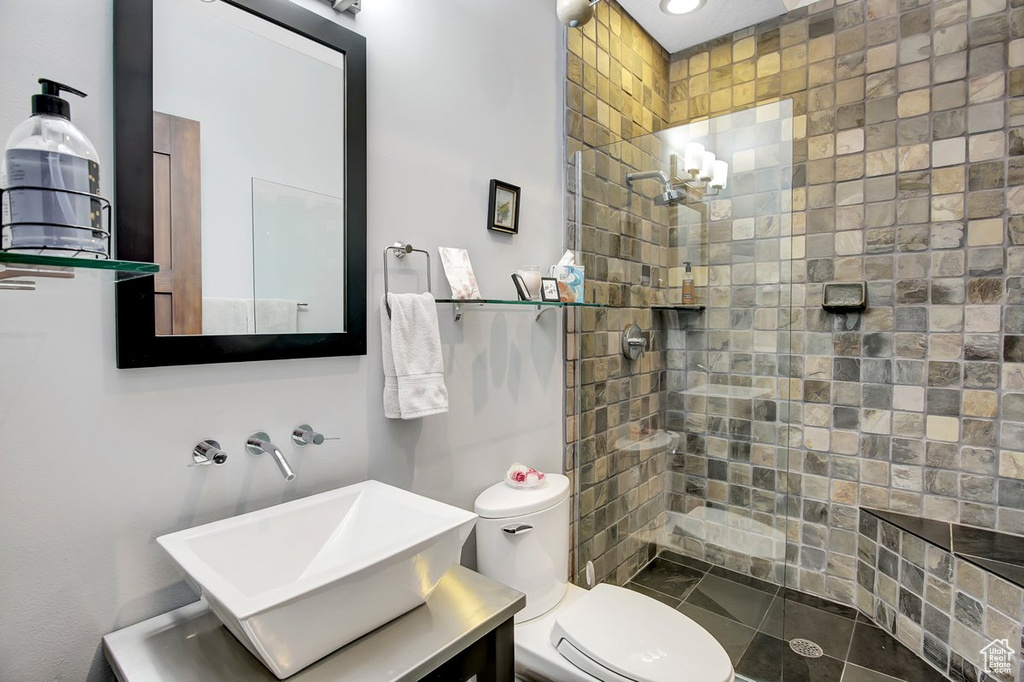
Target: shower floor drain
805	648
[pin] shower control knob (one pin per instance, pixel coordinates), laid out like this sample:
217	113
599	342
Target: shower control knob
208	452
303	435
634	344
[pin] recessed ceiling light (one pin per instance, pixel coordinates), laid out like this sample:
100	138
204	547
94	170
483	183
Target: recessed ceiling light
680	6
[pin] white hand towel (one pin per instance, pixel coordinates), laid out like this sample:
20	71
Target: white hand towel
227	315
414	338
392	410
276	316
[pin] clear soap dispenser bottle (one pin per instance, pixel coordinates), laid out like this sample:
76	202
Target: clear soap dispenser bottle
49	170
688	298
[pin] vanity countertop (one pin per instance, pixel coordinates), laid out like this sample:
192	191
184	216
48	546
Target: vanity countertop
191	644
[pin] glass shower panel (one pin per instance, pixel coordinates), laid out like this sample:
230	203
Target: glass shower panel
728	376
681	459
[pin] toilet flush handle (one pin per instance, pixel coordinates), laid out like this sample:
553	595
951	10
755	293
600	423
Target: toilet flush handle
517	529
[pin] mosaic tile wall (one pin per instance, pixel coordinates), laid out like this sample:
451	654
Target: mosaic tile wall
908	174
943	608
617	88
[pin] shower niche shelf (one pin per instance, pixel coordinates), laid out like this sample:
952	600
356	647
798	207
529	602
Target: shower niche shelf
18	270
680	308
459	306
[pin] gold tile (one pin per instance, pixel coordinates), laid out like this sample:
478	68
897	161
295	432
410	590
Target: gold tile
795	56
823	47
745	71
699	63
721	100
743	49
769	64
721	78
793	81
589	53
743	94
699	85
721	55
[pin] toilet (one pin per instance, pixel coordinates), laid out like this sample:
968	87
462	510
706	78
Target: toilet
569	634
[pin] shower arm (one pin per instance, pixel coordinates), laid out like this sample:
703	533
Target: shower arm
649	175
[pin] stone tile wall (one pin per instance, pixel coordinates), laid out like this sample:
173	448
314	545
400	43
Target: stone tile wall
908	174
617	89
943	608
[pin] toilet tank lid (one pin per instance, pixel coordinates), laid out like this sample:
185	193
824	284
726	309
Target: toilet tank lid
503	501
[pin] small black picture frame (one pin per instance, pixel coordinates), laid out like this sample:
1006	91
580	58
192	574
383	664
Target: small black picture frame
503	207
549	290
521	290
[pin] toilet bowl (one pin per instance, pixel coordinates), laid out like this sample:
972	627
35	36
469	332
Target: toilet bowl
569	634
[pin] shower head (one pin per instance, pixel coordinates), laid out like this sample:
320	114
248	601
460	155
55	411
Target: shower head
670	197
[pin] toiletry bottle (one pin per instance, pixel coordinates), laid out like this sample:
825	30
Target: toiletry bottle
46	153
688	285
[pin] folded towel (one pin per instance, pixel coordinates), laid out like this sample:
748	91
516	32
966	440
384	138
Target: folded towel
277	316
413	365
392	410
227	315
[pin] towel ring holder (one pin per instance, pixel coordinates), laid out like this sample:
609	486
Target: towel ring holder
399	249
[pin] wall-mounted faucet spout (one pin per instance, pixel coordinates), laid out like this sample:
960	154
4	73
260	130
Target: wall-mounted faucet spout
259	442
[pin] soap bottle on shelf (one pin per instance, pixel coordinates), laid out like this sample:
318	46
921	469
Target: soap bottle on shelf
688	298
51	177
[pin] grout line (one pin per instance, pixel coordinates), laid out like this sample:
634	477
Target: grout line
765	617
849	645
664	594
876	672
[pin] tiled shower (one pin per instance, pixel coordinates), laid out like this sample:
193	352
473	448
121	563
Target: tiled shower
904	134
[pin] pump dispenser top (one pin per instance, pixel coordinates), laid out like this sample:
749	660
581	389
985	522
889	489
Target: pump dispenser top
51	179
50	101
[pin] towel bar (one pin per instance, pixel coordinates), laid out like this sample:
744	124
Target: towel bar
400	249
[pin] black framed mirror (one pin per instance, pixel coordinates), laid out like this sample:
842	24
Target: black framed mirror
240	150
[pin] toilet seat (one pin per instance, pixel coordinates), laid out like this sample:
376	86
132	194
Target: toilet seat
618	635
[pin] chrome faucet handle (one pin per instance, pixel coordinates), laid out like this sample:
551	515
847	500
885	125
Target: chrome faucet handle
303	435
259	442
208	452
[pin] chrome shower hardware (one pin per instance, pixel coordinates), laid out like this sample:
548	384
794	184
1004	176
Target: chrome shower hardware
259	442
670	197
634	343
208	452
303	435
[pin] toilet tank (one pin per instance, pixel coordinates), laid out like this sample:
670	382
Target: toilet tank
522	540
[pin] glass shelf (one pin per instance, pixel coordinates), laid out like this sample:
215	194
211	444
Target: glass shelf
541	306
15	268
682	307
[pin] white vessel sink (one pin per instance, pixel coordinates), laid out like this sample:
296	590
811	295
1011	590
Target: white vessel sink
299	580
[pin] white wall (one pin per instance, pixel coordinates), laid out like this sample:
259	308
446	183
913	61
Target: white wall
93	458
242	88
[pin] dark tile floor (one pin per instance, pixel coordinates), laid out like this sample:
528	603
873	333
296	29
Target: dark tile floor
754	621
